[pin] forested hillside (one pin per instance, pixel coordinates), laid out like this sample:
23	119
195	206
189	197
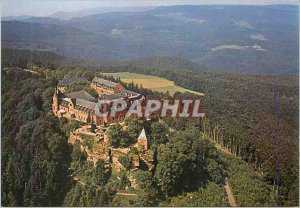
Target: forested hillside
38	165
253	117
12	57
35	153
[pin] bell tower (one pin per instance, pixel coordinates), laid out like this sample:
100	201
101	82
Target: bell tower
55	102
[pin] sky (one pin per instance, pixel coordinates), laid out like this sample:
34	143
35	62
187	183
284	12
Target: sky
48	7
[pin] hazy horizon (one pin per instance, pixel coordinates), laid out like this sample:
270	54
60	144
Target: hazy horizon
46	8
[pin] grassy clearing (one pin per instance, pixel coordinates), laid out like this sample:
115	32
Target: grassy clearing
151	82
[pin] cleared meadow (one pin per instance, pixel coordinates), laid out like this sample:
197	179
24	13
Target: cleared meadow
151	82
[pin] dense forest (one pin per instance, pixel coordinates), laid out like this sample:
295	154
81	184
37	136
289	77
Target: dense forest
35	153
252	117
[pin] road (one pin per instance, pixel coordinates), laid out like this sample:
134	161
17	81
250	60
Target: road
231	200
126	194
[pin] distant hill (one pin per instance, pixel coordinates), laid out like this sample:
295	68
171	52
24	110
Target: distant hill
101	10
15	18
243	39
170	63
42	20
14	56
63	40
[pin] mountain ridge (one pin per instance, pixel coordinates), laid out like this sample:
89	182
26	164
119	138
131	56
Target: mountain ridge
165	62
238	39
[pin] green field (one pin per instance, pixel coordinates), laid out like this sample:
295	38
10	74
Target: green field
151	82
